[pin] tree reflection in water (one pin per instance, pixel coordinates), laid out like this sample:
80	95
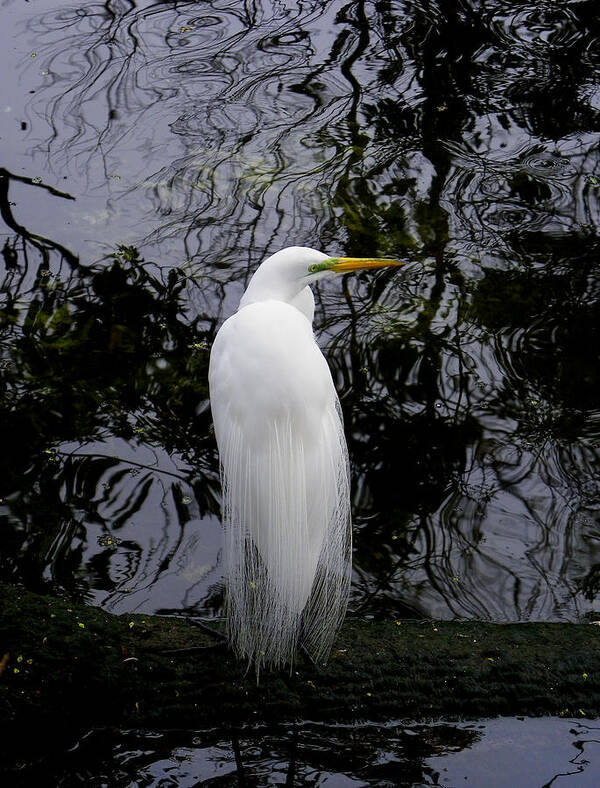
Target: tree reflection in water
462	139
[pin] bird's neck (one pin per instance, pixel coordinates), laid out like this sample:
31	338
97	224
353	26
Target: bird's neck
302	300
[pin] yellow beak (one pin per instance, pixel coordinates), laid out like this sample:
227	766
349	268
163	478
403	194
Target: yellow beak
342	265
345	264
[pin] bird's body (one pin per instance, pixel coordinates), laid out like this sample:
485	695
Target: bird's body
286	490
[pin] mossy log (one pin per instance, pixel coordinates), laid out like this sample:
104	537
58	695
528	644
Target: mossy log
70	666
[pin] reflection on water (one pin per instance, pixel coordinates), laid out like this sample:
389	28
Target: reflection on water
492	753
157	151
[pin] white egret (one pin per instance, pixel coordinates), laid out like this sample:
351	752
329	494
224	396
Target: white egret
284	465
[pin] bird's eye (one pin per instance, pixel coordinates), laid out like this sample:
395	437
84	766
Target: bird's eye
312	269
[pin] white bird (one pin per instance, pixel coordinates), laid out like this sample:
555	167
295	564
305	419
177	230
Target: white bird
284	465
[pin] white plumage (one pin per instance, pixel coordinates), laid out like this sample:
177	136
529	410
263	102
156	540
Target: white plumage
284	463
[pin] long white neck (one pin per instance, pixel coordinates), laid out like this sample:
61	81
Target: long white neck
305	302
271	283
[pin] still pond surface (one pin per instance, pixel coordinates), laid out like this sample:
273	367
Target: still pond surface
154	152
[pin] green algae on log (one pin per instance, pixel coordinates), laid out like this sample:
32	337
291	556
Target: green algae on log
80	666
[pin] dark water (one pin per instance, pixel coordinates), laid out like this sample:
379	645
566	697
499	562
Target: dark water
487	753
155	152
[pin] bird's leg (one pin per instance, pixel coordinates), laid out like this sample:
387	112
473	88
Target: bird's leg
209	630
306	653
214	633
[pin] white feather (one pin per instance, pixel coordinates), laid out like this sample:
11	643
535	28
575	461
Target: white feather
285	479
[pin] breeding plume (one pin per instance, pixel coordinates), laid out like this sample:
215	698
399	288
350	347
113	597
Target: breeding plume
284	465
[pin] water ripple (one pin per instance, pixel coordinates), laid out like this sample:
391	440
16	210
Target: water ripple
462	139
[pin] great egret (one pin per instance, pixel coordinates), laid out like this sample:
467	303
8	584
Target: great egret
284	465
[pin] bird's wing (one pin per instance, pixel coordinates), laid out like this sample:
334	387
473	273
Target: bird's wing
286	490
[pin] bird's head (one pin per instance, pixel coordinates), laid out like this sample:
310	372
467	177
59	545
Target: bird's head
286	274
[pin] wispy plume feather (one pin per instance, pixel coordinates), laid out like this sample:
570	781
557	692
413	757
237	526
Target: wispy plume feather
288	538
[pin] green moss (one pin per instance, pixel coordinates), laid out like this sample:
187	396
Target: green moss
87	668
